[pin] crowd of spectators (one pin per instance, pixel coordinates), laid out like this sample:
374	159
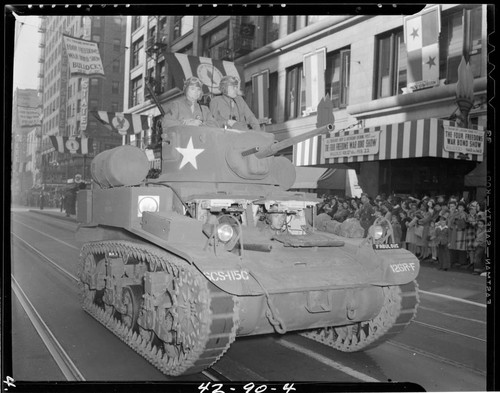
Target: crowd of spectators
449	231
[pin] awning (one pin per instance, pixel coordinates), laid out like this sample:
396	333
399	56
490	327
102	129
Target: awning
410	139
476	177
314	178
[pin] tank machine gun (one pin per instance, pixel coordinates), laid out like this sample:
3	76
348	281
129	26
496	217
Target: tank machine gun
216	247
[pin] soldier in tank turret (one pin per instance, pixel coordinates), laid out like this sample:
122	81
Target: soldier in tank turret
187	110
230	109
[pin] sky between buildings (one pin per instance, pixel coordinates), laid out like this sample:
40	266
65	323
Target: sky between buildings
26	53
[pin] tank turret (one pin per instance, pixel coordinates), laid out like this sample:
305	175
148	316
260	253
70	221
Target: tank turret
201	154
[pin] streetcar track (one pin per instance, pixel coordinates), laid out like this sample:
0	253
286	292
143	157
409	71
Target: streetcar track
444	330
41	254
433	356
46	235
62	359
420	307
457	299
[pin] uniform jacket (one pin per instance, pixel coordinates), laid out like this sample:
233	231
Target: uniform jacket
224	108
176	112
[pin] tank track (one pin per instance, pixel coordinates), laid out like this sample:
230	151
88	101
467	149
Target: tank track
208	341
399	309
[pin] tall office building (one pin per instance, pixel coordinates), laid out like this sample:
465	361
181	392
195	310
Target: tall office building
67	101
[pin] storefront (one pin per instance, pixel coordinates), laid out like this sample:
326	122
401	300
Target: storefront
426	156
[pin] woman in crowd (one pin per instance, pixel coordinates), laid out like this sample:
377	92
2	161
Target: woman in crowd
457	221
470	232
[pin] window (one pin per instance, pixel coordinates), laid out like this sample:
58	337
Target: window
116	44
337	77
391	64
182	25
115	87
96	21
295	92
94	105
116	65
292	24
460	33
136	22
136	52
136	91
114	106
187	50
273	96
78	104
272	27
94	82
216	42
79	84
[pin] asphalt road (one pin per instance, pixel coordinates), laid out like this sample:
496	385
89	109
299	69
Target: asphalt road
444	349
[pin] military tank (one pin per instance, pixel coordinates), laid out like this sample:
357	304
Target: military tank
215	248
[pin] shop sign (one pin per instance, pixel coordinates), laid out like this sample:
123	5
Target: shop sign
463	140
352	145
83	104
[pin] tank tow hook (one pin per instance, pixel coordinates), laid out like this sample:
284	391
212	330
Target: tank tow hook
271	312
351	305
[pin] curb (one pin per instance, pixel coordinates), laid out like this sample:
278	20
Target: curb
60	216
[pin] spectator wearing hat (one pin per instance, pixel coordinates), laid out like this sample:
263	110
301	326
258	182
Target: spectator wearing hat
187	110
342	213
470	232
365	213
230	109
442	240
457	221
480	246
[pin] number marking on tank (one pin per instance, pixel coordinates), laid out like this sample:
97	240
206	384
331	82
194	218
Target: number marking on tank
227	275
403	267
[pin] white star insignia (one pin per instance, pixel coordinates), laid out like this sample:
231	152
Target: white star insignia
189	154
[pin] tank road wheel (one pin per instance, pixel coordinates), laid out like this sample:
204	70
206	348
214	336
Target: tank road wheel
187	326
398	310
131	300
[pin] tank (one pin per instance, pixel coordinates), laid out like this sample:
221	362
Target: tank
216	247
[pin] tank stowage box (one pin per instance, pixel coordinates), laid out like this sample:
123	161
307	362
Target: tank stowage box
215	247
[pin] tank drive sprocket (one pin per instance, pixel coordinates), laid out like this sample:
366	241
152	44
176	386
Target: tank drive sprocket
398	310
197	322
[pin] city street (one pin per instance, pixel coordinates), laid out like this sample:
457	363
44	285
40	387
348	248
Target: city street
53	339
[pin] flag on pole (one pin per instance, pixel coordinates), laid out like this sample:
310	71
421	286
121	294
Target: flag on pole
209	71
421	34
123	123
314	73
73	145
260	94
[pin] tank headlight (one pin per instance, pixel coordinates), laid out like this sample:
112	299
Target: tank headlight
225	232
148	203
377	232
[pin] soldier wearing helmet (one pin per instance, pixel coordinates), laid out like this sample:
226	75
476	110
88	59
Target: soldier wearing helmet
230	109
187	110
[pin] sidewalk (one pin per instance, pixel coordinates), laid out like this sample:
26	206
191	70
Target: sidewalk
50	211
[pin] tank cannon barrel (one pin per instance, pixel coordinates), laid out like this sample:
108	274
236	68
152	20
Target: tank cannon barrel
267	151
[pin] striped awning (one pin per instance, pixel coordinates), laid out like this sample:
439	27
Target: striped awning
410	139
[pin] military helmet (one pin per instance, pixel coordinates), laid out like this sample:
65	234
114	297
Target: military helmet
227	81
192	80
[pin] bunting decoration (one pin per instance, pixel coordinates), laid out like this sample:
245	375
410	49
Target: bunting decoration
84	58
209	71
421	34
260	94
123	123
314	73
73	145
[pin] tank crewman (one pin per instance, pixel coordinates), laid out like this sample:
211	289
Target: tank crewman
187	110
230	109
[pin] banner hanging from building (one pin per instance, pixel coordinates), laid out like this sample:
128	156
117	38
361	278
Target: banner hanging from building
463	140
352	145
260	94
209	71
73	145
421	35
314	73
123	123
28	116
84	58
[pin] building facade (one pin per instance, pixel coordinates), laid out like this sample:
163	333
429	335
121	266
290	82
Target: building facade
364	70
67	100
